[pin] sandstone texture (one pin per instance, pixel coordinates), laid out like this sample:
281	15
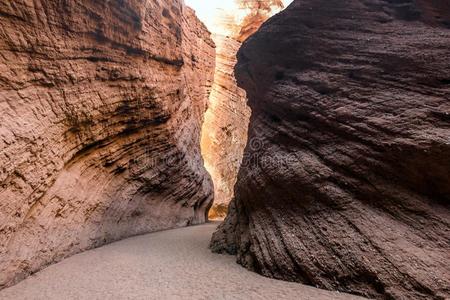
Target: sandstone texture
101	105
345	183
224	132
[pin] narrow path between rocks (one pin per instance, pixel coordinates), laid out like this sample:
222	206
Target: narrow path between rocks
173	264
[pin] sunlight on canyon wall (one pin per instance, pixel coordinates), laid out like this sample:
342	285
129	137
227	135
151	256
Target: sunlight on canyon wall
224	132
236	18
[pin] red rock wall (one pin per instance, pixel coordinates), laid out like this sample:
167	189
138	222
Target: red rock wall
101	104
347	180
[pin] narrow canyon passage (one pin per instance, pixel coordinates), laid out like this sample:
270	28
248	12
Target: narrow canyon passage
174	264
225	126
317	129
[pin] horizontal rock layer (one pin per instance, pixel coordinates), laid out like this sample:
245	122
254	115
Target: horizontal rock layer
346	180
101	104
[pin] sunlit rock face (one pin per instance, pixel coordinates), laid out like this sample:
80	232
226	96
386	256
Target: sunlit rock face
100	117
224	132
346	184
245	17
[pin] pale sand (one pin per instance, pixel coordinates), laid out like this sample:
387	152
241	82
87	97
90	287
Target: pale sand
173	264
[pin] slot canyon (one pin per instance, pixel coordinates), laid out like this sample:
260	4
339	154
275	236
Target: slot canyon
315	133
224	131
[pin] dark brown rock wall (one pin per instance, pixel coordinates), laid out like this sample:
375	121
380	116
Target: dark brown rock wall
347	180
101	104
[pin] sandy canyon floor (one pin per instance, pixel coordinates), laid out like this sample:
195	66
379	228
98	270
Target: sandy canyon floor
173	264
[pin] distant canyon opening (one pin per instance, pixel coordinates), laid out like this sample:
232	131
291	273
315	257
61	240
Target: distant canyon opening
224	131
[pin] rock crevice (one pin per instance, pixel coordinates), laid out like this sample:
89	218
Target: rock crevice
224	132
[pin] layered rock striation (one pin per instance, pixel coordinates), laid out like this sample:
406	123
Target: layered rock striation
101	105
346	184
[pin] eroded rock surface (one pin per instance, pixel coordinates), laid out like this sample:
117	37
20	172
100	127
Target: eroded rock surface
101	104
347	185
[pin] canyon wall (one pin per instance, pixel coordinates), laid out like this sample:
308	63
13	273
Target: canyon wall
345	183
224	133
101	104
